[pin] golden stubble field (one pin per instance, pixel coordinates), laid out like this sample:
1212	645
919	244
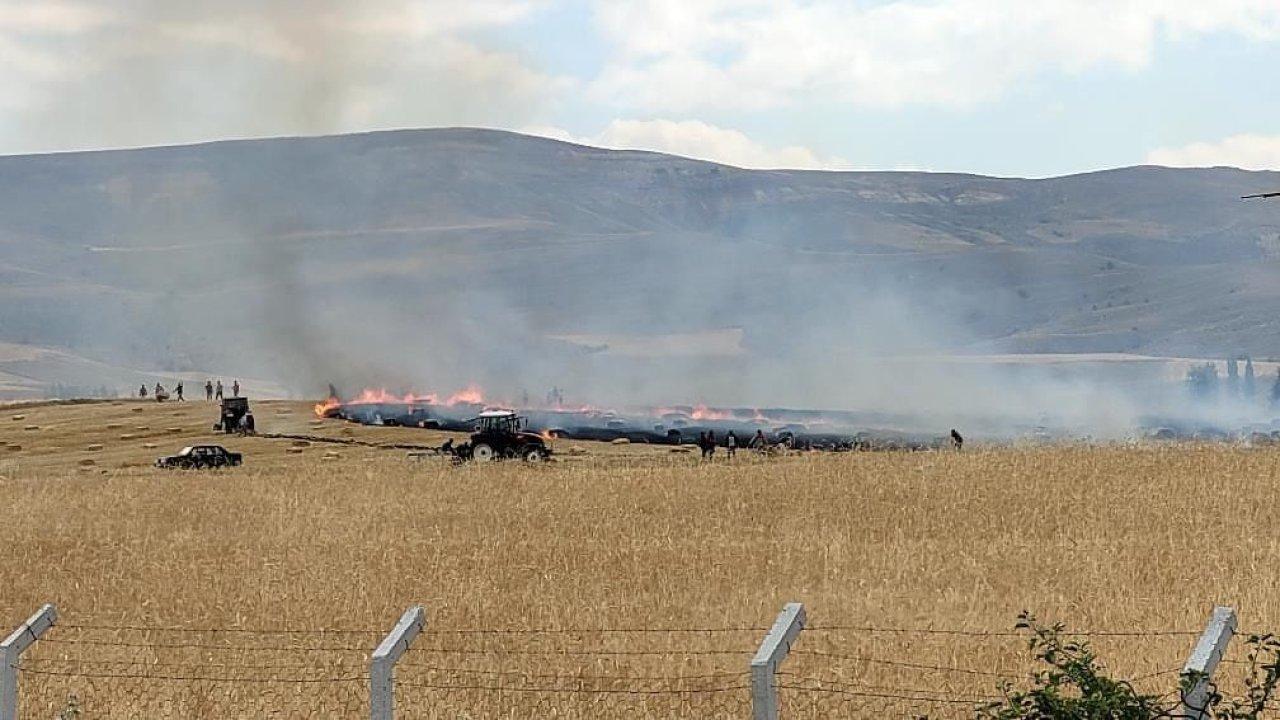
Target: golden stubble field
615	555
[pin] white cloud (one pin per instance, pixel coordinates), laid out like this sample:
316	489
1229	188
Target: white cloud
1251	152
700	140
51	17
676	56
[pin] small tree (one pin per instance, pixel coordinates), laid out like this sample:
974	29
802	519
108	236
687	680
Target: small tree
1073	685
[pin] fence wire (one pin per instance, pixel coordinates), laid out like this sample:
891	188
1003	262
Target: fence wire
833	671
140	672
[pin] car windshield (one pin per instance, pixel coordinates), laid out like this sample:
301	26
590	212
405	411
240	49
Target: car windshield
185	451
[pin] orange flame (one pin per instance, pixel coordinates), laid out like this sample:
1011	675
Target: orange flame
472	395
702	412
378	396
328	407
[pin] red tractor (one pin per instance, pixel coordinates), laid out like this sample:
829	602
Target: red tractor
500	435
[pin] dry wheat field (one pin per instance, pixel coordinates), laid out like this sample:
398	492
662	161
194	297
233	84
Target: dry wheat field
621	581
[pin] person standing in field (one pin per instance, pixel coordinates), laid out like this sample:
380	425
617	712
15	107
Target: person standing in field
702	444
731	444
208	390
177	391
235	389
758	442
711	444
142	391
218	390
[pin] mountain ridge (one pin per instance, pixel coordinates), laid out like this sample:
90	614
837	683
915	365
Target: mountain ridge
500	242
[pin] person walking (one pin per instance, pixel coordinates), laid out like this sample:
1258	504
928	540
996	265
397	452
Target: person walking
758	442
218	390
731	444
208	390
177	391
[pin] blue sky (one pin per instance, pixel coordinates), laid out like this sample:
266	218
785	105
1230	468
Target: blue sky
1004	87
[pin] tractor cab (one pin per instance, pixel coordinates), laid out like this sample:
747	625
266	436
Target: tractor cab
499	421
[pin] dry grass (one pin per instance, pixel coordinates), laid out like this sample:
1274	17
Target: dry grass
1107	538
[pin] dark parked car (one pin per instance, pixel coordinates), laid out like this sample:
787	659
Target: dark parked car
201	456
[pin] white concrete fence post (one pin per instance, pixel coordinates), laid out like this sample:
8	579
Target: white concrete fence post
11	654
382	666
1204	660
764	666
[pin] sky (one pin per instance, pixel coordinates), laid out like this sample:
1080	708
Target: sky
1003	87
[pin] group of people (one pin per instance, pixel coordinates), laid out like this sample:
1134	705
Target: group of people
708	444
212	391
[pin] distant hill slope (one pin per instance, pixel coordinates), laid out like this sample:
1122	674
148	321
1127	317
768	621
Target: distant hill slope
468	251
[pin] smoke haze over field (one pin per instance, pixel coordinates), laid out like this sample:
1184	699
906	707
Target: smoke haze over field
435	259
431	260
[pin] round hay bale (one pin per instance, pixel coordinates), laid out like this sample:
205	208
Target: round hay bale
128	436
149	446
174	430
327	458
19	417
114	426
11	447
621	441
86	462
294	450
31	428
301	443
136	409
142	428
94	447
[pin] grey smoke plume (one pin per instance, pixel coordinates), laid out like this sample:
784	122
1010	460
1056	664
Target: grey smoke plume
112	73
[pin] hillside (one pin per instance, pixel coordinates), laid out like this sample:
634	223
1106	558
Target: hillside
457	254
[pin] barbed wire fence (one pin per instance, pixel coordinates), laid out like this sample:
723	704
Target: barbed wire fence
791	669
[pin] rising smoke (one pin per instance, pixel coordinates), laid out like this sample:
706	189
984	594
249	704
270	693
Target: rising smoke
432	261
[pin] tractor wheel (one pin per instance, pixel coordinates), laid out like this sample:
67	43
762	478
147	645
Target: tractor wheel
483	452
533	455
